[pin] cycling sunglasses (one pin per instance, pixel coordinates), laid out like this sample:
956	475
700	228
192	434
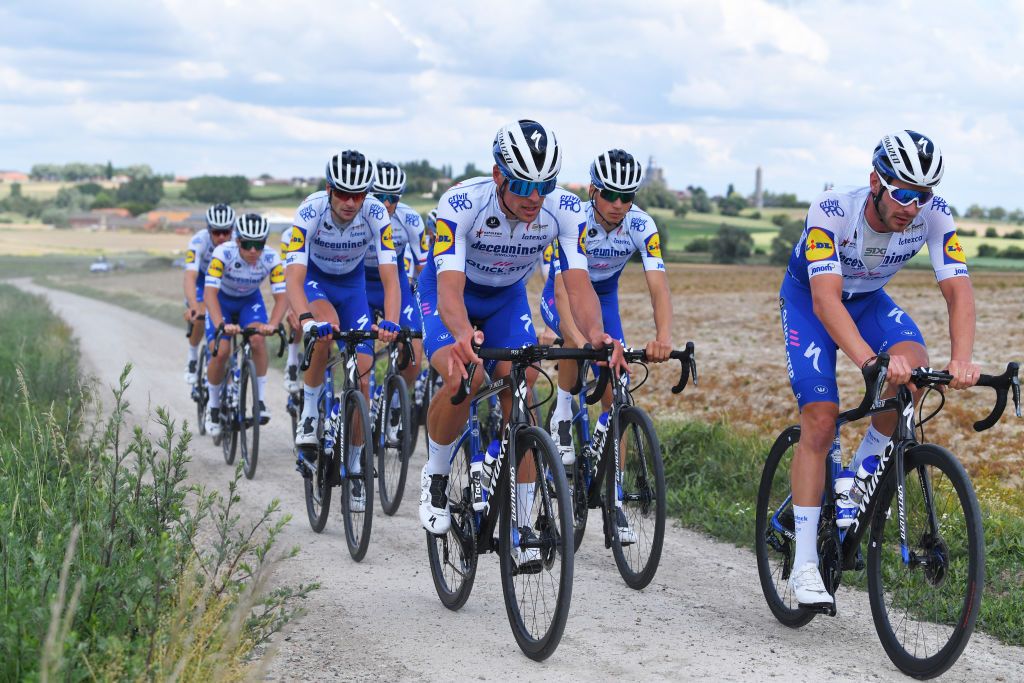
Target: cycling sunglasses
612	195
524	188
388	198
252	244
904	196
220	232
342	195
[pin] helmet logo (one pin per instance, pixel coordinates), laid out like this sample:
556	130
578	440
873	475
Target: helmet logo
922	145
536	137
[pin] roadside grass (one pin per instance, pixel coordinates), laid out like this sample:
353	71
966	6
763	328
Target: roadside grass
113	567
713	473
163	311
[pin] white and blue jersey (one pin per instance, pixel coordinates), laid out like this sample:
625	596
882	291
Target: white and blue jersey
238	284
407	233
833	242
197	258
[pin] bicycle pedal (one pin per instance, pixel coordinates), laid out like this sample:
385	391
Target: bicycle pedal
302	467
829	610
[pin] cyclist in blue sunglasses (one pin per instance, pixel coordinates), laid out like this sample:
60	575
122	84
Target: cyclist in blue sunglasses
832	298
488	237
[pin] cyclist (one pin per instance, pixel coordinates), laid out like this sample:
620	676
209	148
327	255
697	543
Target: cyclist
832	297
291	370
489	233
220	218
616	229
406	233
234	300
332	232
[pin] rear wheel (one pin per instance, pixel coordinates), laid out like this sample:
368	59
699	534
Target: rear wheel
453	556
229	418
577	476
925	609
249	419
200	392
317	484
395	448
357	466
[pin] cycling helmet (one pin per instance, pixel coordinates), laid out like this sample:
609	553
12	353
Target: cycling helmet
432	217
252	226
390	179
220	217
910	157
616	170
525	150
350	171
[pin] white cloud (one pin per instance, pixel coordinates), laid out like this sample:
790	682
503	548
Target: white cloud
197	71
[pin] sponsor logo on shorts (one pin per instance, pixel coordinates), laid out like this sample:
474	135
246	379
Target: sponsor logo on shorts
820	245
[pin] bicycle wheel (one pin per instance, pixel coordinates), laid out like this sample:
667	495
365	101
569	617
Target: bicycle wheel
417	412
228	419
317	484
577	475
773	546
537	557
393	453
925	611
357	465
643	499
201	391
249	419
453	556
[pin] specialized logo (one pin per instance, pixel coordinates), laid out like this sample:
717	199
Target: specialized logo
813	352
537	138
897	314
444	238
581	241
952	252
298	240
190	256
386	238
653	243
216	268
277	274
820	245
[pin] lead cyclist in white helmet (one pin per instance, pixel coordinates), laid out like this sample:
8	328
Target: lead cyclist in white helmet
220	221
832	296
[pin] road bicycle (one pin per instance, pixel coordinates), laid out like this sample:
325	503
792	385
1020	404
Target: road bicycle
926	548
200	393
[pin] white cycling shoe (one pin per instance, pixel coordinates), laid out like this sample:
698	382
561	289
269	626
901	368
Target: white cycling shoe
434	514
192	372
808	588
291	379
561	434
213	421
626	534
357	496
305	434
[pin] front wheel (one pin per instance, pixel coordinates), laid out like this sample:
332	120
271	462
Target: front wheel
249	419
578	475
357	479
200	392
228	419
394	446
536	549
925	609
637	499
453	556
317	484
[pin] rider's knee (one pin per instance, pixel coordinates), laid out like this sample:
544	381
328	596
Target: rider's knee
818	424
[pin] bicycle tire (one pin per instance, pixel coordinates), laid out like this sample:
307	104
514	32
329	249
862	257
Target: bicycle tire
774	550
249	419
453	556
202	391
576	473
644	499
955	561
393	459
551	517
358	523
228	422
317	487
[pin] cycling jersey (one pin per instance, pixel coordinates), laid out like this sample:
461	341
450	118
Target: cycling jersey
286	239
198	255
406	232
235	277
474	236
339	250
833	242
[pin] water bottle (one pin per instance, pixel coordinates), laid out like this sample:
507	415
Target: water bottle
600	432
845	509
490	460
864	472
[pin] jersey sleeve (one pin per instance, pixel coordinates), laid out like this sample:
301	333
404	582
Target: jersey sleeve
382	228
818	240
572	235
414	229
215	271
277	283
192	254
647	241
947	256
449	240
282	248
303	226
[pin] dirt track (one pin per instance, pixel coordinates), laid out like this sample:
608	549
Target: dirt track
702	617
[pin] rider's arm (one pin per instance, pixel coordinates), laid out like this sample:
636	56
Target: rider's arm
280	309
190	287
827	298
392	292
584	304
213	305
295	286
451	303
566	324
657	283
959	297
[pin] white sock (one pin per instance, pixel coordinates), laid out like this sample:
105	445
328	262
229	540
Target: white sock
215	393
293	354
193	352
805	520
261	385
354	455
874	443
524	503
439	457
563	406
309	398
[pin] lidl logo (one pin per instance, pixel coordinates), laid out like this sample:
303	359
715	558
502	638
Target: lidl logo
298	240
820	245
444	238
190	256
548	250
424	242
952	252
653	243
386	240
581	242
408	264
277	274
216	268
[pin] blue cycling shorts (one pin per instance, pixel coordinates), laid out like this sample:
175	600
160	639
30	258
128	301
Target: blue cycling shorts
200	288
347	294
607	294
810	351
238	310
409	311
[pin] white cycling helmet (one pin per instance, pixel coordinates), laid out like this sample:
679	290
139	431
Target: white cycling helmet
390	179
910	157
616	170
220	217
525	150
252	226
350	171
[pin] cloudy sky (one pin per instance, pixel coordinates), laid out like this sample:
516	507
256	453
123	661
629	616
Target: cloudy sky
710	89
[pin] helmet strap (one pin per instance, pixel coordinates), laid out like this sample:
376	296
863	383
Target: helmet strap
501	199
593	203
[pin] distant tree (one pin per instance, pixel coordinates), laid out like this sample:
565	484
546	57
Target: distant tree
1015	235
211	189
146	190
987	250
783	243
71	199
732	204
655	196
1013	252
103	200
731	245
55	216
91	189
682	210
783	201
108	172
1016	216
15	189
975	211
698	245
997	213
991	232
137	208
137	171
471	172
699	199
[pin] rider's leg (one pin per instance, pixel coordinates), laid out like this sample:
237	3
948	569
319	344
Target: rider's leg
323	311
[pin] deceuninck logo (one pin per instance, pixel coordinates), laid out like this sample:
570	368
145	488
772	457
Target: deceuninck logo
820	245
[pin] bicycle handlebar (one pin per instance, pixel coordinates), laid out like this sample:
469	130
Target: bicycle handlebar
874	380
1003	384
246	334
687	364
349	337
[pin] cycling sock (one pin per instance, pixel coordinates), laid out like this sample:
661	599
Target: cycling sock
354	456
563	405
293	354
524	503
874	443
193	352
309	397
805	520
261	385
215	393
438	457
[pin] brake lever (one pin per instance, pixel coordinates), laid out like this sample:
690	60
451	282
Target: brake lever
1015	388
